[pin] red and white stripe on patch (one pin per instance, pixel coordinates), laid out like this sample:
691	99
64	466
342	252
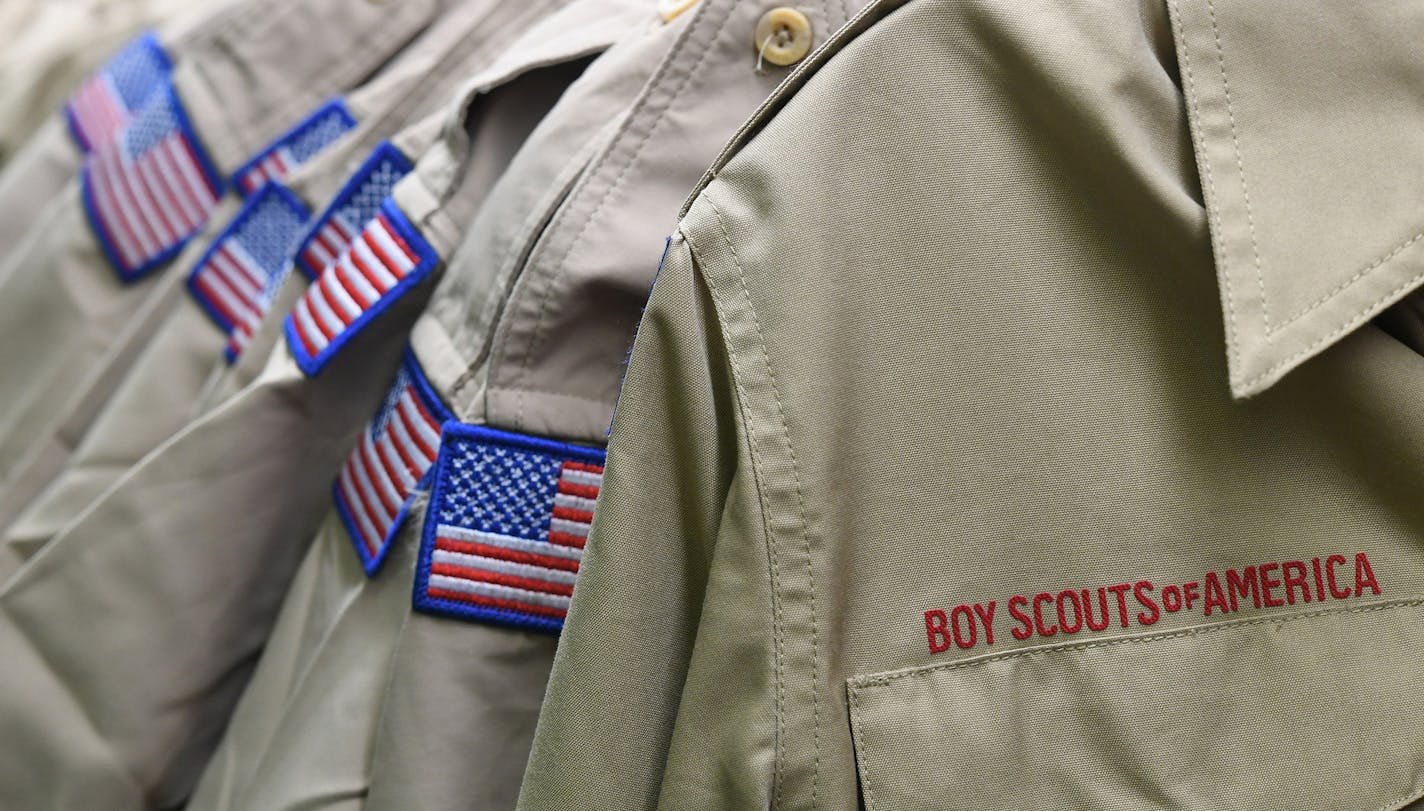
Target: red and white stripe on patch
149	190
245	328
356	204
390	458
379	264
505	530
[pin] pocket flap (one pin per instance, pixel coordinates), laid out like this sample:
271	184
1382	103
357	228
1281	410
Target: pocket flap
1316	711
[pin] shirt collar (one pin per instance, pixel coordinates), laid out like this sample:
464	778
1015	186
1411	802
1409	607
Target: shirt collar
1306	124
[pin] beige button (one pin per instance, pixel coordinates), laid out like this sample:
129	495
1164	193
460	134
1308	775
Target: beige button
783	36
670	9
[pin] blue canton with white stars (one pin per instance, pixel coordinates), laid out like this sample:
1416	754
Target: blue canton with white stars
137	70
268	232
319	132
157	120
365	199
498	489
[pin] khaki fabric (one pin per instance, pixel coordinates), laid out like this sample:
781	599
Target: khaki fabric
539	346
121	689
160	387
32	181
202	537
1312	229
227	382
240	91
300	736
931	378
63	425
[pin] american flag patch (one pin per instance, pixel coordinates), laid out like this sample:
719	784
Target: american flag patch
106	101
233	278
330	232
150	189
372	493
505	529
320	129
386	259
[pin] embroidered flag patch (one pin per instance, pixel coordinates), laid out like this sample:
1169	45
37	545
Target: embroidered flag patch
372	492
231	281
106	100
386	259
150	189
330	232
299	145
505	529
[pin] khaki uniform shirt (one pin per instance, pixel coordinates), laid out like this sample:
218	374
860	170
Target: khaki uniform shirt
931	485
133	718
71	292
196	330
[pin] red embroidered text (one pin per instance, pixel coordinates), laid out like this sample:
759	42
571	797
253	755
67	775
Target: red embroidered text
1050	614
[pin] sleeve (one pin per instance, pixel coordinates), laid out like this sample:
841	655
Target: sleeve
609	714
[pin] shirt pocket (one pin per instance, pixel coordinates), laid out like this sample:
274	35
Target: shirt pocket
1315	711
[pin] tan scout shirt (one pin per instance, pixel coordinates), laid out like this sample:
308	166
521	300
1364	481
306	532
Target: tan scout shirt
533	349
158	394
927	488
63	297
200	540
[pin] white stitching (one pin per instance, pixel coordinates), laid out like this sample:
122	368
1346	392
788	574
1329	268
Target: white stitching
1350	323
777	612
1240	168
801	510
1232	343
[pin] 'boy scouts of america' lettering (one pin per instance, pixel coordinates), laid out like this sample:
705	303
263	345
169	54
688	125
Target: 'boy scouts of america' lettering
1052	614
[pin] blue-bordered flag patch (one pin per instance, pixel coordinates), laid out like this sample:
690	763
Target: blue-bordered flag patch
505	529
151	188
373	491
106	100
303	142
388	258
233	279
